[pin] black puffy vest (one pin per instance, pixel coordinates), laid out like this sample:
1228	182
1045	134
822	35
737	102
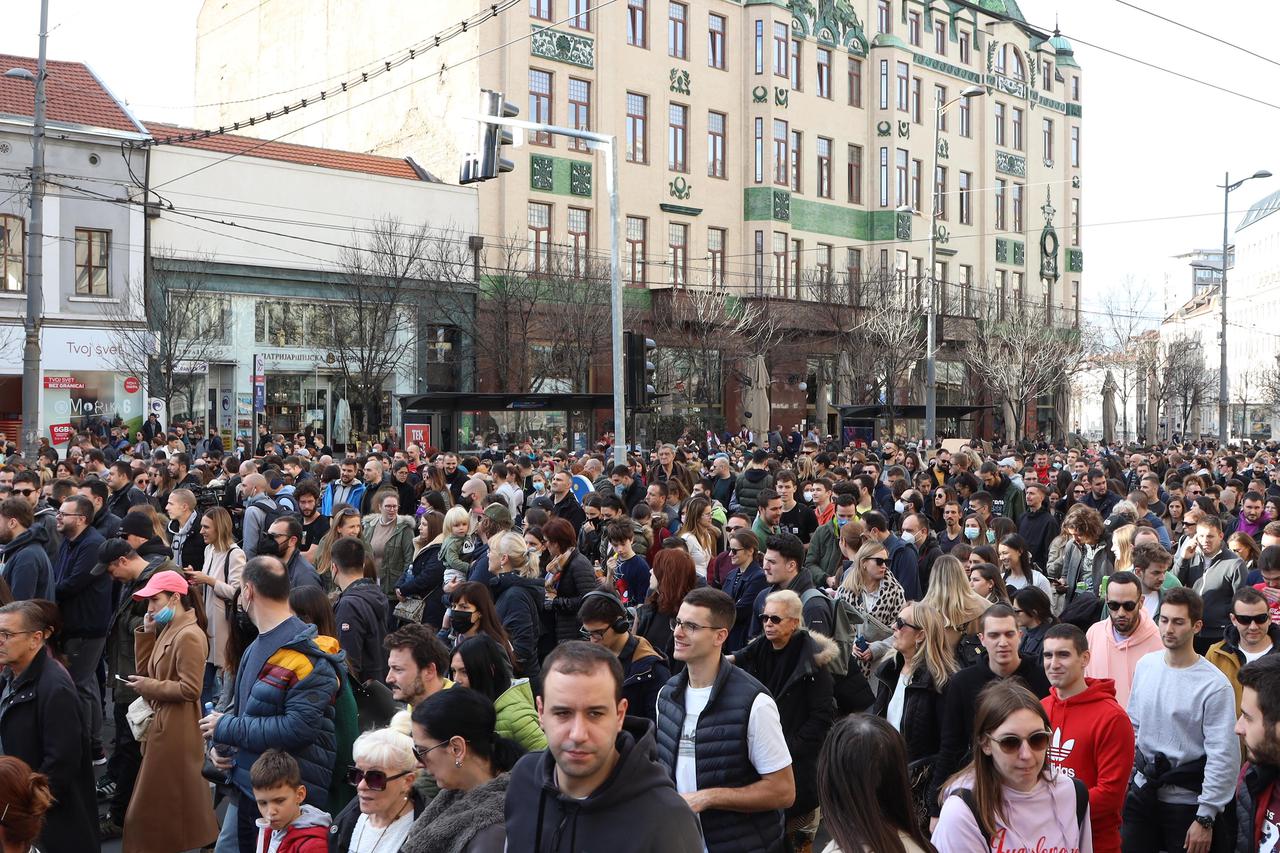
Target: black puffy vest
723	757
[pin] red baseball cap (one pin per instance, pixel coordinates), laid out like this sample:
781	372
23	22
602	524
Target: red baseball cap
166	581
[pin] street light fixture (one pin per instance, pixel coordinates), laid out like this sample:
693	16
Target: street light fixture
930	362
1227	188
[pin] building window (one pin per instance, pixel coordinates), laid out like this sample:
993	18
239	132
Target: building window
939	99
1001	192
540	104
1075	88
884	84
884	17
1018	142
1075	147
759	263
901	167
916	97
917	170
12	254
824	72
715	41
1047	75
638	23
966	198
637	228
797	258
795	161
939	38
796	68
759	47
884	177
678	252
1017	208
678	138
540	9
853	265
637	128
966	53
781	265
580	240
715	255
781	48
1075	222
999	113
759	150
715	144
904	87
580	14
781	158
539	216
1002	291
855	82
913	27
825	252
1048	140
678	30
579	110
965	284
824	167
855	174
92	262
966	119
940	192
940	275
1017	291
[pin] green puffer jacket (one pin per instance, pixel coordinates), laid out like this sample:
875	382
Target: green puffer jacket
518	717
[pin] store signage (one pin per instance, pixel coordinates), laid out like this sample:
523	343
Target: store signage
60	433
63	383
259	383
419	434
132	385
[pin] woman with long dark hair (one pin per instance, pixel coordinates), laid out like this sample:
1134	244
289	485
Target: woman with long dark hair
425	576
472	613
569	576
1034	612
1010	789
479	663
868	811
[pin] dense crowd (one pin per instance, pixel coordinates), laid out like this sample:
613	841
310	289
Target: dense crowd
716	646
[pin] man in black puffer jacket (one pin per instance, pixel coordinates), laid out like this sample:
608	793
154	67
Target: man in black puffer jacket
360	612
24	565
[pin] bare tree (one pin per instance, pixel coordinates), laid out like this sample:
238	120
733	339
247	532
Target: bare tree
1125	309
1248	389
180	329
893	336
1185	383
373	312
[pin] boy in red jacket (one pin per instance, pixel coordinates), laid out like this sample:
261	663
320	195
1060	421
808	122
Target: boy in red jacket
287	825
1092	734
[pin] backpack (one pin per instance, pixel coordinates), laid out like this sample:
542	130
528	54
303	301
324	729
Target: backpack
1082	806
844	618
288	505
1081	611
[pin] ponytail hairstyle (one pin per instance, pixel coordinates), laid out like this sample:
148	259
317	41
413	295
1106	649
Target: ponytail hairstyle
461	712
24	798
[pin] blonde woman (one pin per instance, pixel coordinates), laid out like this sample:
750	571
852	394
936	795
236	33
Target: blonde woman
346	522
875	593
913	678
699	533
518	594
224	561
1122	547
952	596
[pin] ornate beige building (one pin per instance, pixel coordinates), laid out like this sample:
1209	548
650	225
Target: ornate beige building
779	149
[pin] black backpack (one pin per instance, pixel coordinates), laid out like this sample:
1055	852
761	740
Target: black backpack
1082	806
1082	610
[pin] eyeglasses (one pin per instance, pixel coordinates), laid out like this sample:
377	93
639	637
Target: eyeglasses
1077	491
1010	744
1256	619
901	623
61	514
374	780
596	635
421	754
687	627
1129	606
771	618
6	636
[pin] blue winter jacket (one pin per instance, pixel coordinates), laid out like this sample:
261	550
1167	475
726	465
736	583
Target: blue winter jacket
290	707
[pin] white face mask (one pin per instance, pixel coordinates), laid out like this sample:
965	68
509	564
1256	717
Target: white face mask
899	506
808	496
909	538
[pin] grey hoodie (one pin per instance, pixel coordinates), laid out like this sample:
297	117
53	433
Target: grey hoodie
309	817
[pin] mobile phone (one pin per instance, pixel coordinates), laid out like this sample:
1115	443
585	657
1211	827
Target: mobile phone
122	679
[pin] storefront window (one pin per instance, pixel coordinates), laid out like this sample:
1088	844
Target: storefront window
544	429
296	401
289	325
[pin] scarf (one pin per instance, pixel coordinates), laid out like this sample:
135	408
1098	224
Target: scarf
451	820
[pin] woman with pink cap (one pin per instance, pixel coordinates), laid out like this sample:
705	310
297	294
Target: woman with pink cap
171	649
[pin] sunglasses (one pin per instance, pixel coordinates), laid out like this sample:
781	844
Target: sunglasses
1256	619
879	561
901	623
1010	744
374	780
26	493
771	618
1129	606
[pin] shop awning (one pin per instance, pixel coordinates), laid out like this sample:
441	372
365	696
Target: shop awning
462	401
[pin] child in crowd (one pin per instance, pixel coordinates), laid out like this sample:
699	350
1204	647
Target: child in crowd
457	527
287	824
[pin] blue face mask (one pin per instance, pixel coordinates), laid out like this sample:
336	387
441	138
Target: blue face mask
163	616
841	522
971	533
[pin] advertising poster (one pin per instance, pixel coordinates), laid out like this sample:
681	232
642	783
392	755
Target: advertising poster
76	400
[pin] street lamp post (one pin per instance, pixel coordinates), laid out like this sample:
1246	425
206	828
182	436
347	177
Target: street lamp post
931	333
35	253
1227	188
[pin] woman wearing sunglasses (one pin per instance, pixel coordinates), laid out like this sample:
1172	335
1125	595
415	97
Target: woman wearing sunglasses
454	741
386	802
874	592
913	677
1010	793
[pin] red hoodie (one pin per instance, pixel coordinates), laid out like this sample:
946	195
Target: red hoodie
1093	741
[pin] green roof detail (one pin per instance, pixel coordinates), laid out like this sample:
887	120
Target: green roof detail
1008	8
888	40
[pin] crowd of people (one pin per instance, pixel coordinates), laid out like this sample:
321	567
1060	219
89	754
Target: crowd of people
715	646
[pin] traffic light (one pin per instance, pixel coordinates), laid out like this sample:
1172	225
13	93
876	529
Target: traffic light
488	163
640	370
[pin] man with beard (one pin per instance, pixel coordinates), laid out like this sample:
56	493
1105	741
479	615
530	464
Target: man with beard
1257	794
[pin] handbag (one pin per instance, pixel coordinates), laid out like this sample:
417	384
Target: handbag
410	609
140	716
375	706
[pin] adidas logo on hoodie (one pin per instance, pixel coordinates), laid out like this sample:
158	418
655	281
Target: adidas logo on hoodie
1060	751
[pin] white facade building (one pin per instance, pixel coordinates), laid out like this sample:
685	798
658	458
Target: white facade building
1253	312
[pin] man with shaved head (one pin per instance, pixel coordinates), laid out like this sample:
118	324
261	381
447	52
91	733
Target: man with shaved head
257	505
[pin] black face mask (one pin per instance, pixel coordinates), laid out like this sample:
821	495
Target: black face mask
268	546
460	621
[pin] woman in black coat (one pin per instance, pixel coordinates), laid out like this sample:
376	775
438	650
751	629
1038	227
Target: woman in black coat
425	576
793	663
40	723
919	669
569	577
518	597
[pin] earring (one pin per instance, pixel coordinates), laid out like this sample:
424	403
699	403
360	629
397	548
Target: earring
457	762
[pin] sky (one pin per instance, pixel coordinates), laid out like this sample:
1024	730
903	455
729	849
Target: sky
1155	146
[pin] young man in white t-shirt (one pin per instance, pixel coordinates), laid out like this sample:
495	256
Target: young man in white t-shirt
746	780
